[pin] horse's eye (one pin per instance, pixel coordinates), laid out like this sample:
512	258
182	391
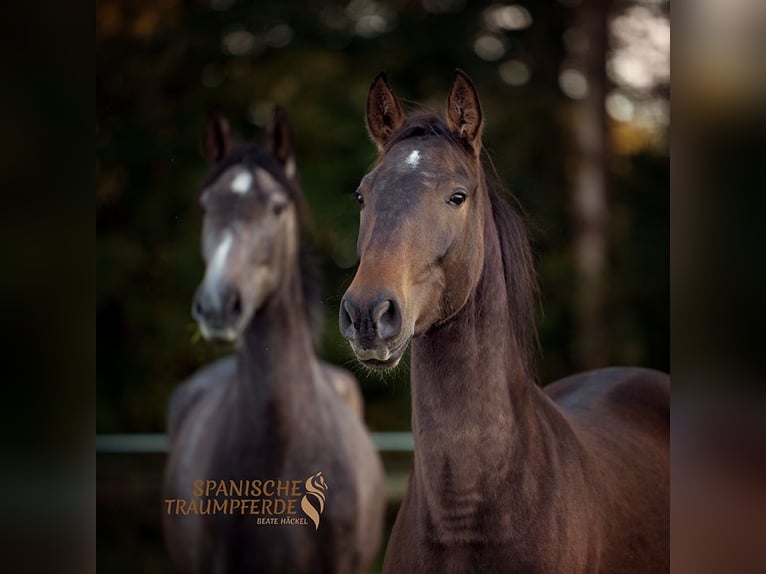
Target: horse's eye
359	198
457	198
278	208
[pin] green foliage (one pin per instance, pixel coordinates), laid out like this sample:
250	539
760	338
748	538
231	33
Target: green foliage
162	66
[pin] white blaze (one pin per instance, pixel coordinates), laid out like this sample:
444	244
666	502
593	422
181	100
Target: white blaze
242	182
413	159
218	262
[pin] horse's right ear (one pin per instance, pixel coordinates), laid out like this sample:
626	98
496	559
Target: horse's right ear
464	116
384	113
216	141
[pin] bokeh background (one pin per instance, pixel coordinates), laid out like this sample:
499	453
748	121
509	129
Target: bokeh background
576	104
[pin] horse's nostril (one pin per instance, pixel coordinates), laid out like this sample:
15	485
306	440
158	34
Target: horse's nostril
197	309
388	319
381	310
235	304
349	317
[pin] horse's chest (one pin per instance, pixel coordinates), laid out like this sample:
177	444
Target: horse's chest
472	533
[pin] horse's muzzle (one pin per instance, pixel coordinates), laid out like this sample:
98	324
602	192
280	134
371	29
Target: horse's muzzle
372	328
218	311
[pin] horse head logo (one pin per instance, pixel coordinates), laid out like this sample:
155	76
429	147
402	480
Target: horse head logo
315	488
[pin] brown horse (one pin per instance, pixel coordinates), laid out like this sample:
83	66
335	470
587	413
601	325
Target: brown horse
507	477
272	412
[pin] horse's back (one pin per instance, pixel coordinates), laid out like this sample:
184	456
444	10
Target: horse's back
630	394
622	416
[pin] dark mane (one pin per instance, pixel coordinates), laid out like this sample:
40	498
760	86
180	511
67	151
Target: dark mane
253	155
519	271
518	262
422	124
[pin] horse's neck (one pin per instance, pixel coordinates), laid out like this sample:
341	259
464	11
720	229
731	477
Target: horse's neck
474	410
464	382
276	363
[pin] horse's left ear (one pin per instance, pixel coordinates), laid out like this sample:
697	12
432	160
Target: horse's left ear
384	112
464	116
280	141
216	140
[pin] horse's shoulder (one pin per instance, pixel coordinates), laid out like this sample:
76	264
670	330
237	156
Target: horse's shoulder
189	393
345	385
335	370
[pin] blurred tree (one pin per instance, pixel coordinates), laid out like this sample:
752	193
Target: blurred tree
590	211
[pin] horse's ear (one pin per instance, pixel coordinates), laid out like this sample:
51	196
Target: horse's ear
384	113
464	116
280	141
216	140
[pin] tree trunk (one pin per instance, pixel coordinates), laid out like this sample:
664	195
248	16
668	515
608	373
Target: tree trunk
589	200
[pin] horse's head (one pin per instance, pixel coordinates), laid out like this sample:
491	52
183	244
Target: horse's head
250	234
421	224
